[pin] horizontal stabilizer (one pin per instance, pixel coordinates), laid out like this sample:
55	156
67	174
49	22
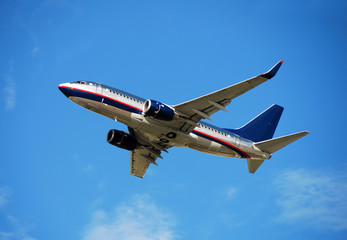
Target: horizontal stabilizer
272	145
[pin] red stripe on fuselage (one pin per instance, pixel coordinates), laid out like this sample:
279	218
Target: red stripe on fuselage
223	142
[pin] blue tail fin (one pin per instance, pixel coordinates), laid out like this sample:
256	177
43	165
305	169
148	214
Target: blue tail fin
261	127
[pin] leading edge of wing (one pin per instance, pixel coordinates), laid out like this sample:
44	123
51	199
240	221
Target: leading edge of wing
227	93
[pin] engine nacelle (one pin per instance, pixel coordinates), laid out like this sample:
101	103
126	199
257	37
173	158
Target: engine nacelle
121	139
158	110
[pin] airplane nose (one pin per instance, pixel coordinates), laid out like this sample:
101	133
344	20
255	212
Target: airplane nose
64	89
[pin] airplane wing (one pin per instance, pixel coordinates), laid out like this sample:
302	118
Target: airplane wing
142	157
203	107
139	162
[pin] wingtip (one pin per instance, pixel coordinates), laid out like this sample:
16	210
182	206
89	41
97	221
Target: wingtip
272	72
306	132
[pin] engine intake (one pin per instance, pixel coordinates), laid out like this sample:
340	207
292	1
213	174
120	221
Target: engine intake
121	139
158	110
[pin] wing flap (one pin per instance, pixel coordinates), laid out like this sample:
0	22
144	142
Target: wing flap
140	159
138	164
147	153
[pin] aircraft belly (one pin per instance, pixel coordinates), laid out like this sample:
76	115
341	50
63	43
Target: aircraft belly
207	146
223	152
103	109
214	146
162	133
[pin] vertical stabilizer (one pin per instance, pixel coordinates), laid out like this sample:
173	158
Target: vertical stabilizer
253	165
261	127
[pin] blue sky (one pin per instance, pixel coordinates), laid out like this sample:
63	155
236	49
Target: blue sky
60	179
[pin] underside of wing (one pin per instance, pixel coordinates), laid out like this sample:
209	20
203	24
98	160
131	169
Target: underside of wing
144	155
203	107
139	162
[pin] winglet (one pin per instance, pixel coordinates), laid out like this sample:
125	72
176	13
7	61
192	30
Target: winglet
272	72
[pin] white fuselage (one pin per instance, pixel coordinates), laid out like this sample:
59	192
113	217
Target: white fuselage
128	109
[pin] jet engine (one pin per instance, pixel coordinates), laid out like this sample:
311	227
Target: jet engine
158	110
121	139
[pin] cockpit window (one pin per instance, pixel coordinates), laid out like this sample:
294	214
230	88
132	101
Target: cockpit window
80	82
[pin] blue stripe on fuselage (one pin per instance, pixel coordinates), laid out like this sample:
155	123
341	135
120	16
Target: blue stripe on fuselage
74	92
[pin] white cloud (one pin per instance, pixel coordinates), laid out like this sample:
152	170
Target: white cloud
19	230
5	193
88	169
10	88
138	219
16	229
317	199
231	193
35	50
6	235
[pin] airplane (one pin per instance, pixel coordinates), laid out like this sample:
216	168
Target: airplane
154	127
